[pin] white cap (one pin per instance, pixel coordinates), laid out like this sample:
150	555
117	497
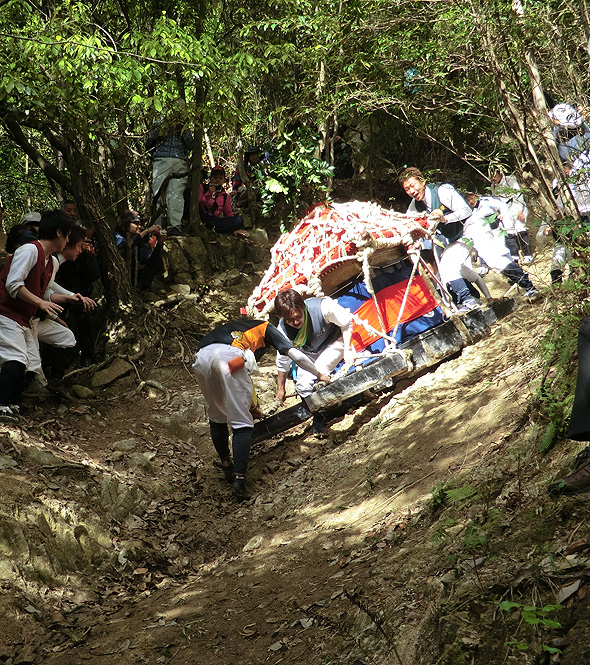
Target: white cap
31	217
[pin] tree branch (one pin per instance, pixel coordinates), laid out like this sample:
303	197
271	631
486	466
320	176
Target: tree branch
17	135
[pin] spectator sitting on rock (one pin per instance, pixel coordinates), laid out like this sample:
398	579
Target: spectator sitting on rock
146	248
215	206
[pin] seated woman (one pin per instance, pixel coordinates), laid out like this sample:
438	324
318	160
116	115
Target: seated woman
215	206
145	245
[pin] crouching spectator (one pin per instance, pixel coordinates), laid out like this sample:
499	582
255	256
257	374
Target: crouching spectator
215	206
58	344
24	281
141	248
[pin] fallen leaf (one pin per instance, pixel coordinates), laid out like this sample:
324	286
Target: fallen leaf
249	630
568	590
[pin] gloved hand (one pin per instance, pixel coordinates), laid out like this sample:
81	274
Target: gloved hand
251	364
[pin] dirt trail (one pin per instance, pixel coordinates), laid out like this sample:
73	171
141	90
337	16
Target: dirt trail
336	558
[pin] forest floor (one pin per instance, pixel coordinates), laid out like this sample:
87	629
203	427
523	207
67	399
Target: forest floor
393	541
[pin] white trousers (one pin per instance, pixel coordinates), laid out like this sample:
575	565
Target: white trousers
228	396
489	244
19	343
325	361
451	260
54	334
162	168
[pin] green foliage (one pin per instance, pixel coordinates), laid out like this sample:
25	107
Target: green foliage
459	497
295	177
537	617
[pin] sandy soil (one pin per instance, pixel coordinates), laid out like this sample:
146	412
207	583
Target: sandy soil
390	542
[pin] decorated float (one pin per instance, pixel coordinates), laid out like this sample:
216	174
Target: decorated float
369	259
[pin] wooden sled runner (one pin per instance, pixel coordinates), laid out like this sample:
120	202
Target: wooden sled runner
357	253
423	351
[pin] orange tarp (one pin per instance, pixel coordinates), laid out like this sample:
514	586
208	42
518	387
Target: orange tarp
419	302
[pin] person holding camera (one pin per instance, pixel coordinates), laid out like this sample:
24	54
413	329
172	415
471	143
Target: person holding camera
146	245
215	206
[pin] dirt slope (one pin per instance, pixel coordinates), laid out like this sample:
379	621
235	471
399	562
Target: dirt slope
123	545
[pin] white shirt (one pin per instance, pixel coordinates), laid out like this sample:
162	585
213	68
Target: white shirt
332	312
509	191
448	196
24	260
489	205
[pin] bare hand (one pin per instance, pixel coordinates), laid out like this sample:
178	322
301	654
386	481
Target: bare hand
50	308
324	378
349	357
281	394
87	303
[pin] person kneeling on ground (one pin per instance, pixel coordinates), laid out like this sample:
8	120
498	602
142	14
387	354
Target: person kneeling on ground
322	329
23	283
215	206
225	358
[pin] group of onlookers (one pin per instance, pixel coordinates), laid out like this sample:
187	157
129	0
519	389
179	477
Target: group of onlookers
169	144
36	305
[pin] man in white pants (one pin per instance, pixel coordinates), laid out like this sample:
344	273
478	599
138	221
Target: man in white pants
225	358
506	188
450	210
24	280
482	229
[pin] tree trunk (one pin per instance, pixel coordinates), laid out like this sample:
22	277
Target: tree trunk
197	160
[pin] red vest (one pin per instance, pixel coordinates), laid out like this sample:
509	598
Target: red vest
36	282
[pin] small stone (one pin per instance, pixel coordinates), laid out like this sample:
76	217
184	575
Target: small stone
253	544
181	289
141	461
114	371
83	392
25	657
43	457
125	445
6	462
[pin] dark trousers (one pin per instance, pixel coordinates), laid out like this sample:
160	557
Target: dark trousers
520	241
12	382
579	427
222	224
241	442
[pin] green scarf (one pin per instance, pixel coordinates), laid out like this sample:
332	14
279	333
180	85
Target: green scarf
301	336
